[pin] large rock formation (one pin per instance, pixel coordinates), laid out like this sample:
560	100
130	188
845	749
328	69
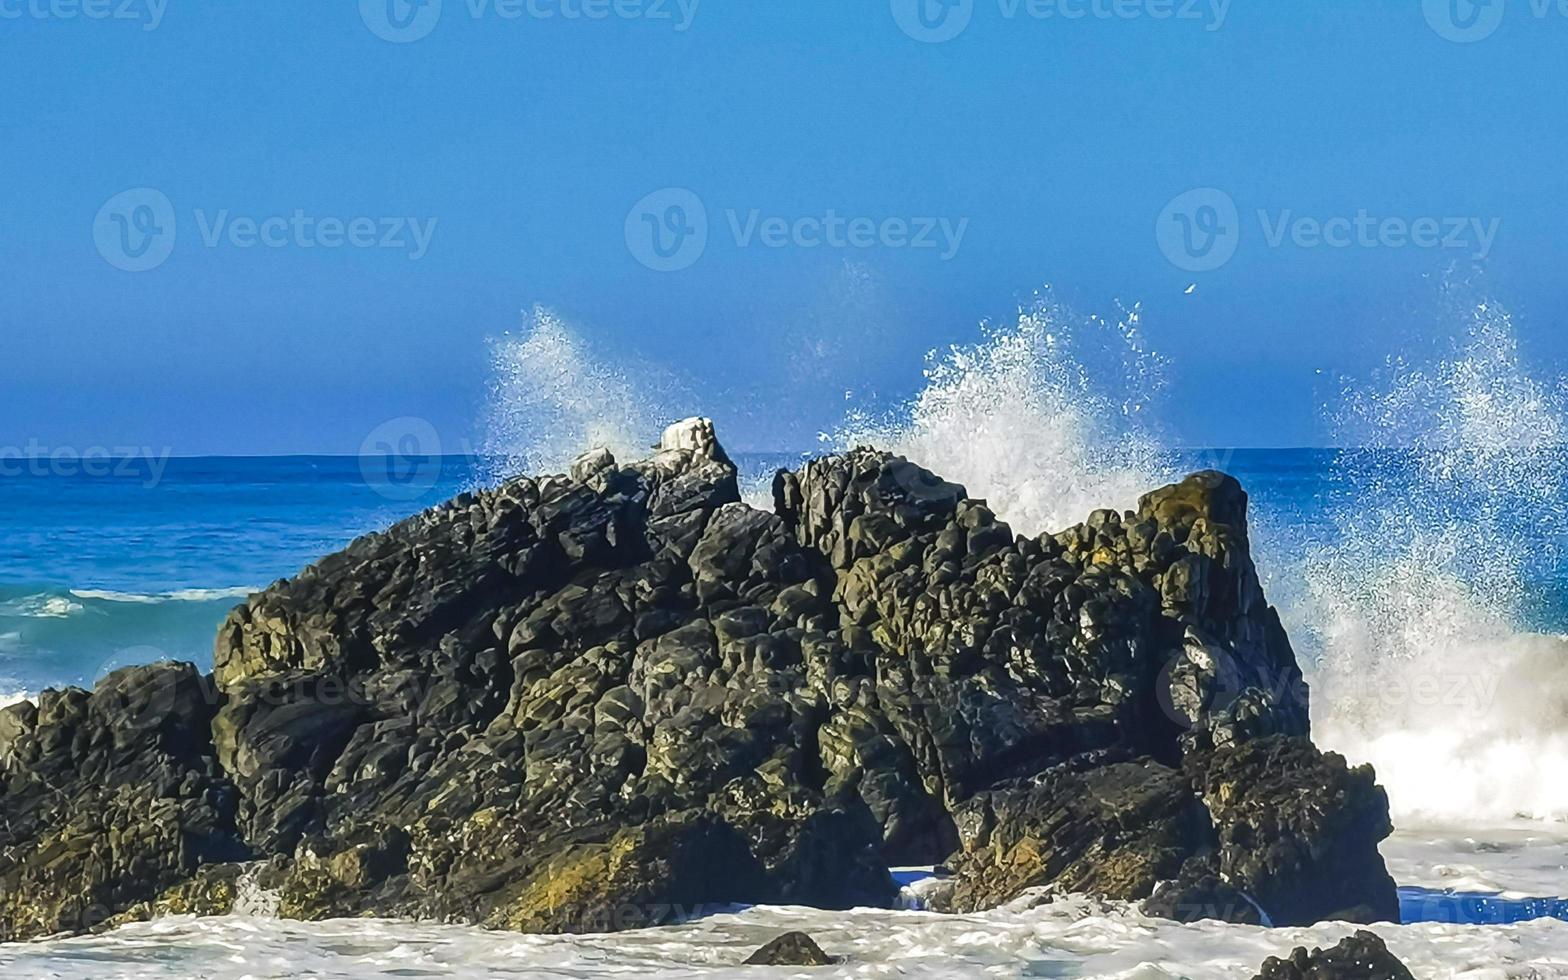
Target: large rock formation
621	696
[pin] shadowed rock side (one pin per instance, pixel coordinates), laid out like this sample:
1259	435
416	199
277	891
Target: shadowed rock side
1360	957
621	697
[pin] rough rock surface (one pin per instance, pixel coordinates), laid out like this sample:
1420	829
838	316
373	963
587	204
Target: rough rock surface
1359	957
107	799
623	697
790	949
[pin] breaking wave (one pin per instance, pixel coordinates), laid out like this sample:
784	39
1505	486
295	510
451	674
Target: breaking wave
1421	593
1046	418
553	397
1413	614
1448	534
50	637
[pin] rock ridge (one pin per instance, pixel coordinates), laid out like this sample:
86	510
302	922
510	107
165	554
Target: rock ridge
621	697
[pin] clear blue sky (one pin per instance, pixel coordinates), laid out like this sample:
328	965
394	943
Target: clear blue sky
1056	141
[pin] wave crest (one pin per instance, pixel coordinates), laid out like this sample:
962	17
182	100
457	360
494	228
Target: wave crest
1046	418
1417	606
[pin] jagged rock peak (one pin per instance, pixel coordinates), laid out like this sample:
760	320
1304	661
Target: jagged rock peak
695	435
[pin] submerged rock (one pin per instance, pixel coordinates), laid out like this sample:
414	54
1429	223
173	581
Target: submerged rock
791	949
622	697
1362	956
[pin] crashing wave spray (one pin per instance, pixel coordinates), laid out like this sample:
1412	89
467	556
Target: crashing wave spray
552	398
1045	418
1416	605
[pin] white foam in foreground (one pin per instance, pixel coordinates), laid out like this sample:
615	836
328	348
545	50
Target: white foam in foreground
1070	938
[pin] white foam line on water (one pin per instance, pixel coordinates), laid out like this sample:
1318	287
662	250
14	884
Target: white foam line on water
177	595
1071	937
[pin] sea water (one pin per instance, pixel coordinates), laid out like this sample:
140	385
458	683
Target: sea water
1420	574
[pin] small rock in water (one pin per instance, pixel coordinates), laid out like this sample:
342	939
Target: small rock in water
790	949
1359	957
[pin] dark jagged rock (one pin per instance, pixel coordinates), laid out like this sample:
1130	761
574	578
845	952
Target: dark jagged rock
108	799
1295	829
1362	956
623	697
1199	893
790	949
1111	830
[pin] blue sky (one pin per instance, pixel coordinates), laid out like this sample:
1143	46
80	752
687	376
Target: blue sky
357	215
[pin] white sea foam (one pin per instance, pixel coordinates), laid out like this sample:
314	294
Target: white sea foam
1046	418
1071	937
1526	860
40	606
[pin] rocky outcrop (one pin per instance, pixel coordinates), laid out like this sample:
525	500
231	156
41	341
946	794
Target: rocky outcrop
108	799
790	949
622	697
1360	957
